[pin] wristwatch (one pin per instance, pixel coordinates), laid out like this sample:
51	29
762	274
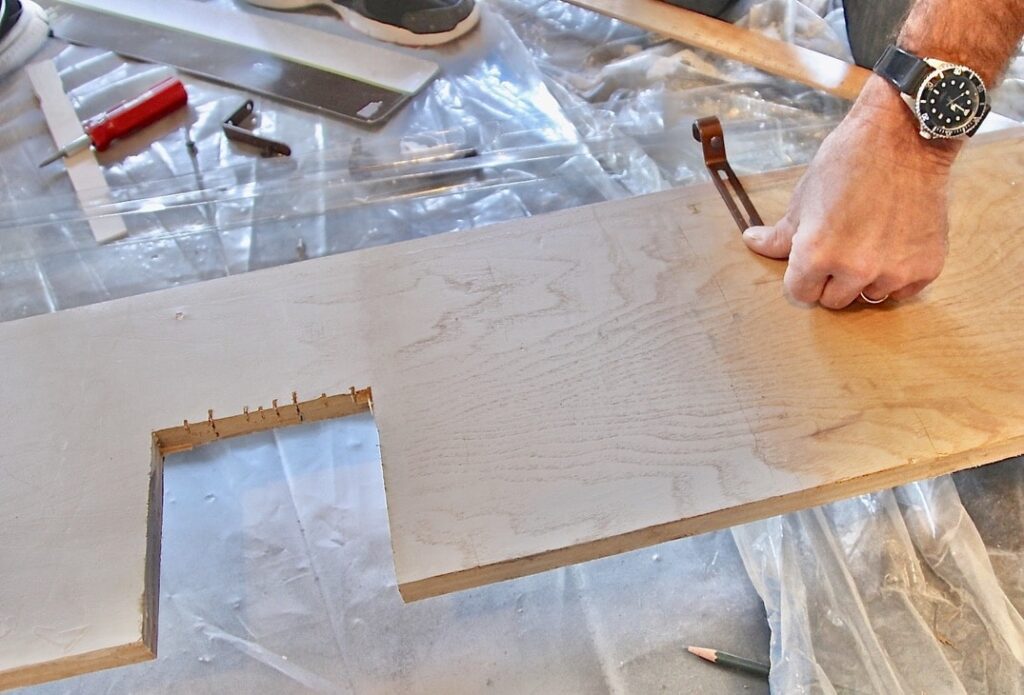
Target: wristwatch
949	100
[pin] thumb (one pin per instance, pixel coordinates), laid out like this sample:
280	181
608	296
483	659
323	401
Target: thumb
773	242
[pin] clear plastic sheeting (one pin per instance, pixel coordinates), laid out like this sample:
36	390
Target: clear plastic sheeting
494	96
490	93
892	592
620	78
1008	99
816	24
276	570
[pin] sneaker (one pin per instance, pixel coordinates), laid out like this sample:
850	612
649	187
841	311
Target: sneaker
23	30
406	22
10	12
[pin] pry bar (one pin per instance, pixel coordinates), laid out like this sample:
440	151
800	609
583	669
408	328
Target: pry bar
708	132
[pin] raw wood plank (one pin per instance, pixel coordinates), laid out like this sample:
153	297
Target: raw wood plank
547	391
649	381
802	65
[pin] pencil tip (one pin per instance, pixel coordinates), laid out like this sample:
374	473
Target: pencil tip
704	653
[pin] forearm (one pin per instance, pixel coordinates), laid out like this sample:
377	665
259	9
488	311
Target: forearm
982	34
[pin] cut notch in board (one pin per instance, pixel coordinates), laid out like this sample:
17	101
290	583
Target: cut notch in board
168	441
187	436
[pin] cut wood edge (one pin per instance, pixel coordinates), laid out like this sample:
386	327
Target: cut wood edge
713	521
154	543
76	665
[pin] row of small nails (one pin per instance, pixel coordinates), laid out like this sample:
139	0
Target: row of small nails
277	411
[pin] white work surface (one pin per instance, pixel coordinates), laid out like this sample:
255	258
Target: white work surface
277	573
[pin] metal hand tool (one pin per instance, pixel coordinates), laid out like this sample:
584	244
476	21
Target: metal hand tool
708	132
235	129
126	118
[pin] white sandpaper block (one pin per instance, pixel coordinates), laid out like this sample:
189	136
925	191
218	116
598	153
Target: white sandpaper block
85	172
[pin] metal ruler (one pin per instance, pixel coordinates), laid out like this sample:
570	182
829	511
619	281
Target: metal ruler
359	81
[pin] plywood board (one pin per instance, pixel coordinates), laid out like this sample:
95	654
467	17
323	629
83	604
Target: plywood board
547	391
776	57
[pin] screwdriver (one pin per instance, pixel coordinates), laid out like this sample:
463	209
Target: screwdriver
125	118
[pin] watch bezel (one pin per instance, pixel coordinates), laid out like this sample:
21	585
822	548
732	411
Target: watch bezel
970	125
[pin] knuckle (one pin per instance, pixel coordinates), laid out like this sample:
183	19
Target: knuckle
810	242
834	303
797	267
914	289
924	271
814	260
933	269
792	285
797	289
827	260
899	278
859	268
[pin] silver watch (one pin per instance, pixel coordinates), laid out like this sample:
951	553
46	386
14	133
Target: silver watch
949	100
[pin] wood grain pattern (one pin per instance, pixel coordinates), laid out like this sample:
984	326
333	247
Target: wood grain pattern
792	62
657	384
547	391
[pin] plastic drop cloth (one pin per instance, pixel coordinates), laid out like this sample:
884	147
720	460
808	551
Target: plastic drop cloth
276	570
893	592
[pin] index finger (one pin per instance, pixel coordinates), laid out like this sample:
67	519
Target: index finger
804	282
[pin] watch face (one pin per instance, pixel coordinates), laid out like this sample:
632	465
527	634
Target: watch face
951	101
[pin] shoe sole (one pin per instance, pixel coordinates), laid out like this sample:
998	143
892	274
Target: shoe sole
24	38
379	30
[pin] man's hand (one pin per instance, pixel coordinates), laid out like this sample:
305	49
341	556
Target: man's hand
870	214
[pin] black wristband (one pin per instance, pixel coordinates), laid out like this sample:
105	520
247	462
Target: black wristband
905	70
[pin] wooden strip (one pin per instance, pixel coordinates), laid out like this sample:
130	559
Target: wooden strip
547	391
188	436
802	65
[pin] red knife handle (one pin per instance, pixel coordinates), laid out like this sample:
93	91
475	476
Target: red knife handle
129	116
